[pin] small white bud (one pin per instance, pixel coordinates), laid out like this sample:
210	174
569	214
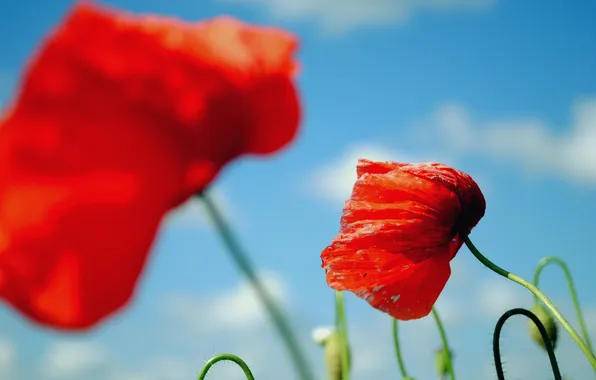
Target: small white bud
321	334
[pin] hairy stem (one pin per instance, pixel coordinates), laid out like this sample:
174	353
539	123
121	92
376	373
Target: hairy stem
553	309
547	342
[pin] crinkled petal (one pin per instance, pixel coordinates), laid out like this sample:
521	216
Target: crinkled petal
395	284
400	213
473	204
399	230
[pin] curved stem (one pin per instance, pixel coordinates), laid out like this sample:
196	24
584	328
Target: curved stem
580	317
243	263
230	357
547	342
400	360
445	343
341	326
556	313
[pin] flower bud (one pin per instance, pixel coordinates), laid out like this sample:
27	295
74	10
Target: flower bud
320	335
549	324
332	345
442	359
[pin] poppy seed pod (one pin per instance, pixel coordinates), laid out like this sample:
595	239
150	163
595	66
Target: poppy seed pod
442	359
332	346
549	325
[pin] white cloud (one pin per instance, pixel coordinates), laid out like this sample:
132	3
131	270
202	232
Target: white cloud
450	310
67	359
498	295
167	367
373	360
7	358
171	368
334	181
246	306
590	319
337	16
234	320
527	142
236	308
193	214
131	375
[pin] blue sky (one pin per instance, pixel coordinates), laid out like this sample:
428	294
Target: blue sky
502	89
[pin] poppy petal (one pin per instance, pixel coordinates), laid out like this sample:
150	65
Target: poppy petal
79	213
400	213
395	284
473	204
120	118
399	230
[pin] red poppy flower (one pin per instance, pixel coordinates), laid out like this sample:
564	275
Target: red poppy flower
120	118
399	231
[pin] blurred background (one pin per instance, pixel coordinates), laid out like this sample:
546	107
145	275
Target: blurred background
502	89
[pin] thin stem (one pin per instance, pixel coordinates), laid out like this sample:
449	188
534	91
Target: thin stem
556	313
400	360
580	317
446	348
243	263
547	342
341	326
230	357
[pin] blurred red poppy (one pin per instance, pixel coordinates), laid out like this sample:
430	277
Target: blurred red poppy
399	231
120	118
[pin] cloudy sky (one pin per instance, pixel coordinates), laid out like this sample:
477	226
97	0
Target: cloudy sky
502	89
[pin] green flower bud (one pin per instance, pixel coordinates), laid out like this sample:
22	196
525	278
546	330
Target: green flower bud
442	359
331	342
549	324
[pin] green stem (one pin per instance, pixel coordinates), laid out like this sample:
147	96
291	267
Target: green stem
400	360
243	263
580	317
446	348
341	326
532	288
230	357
